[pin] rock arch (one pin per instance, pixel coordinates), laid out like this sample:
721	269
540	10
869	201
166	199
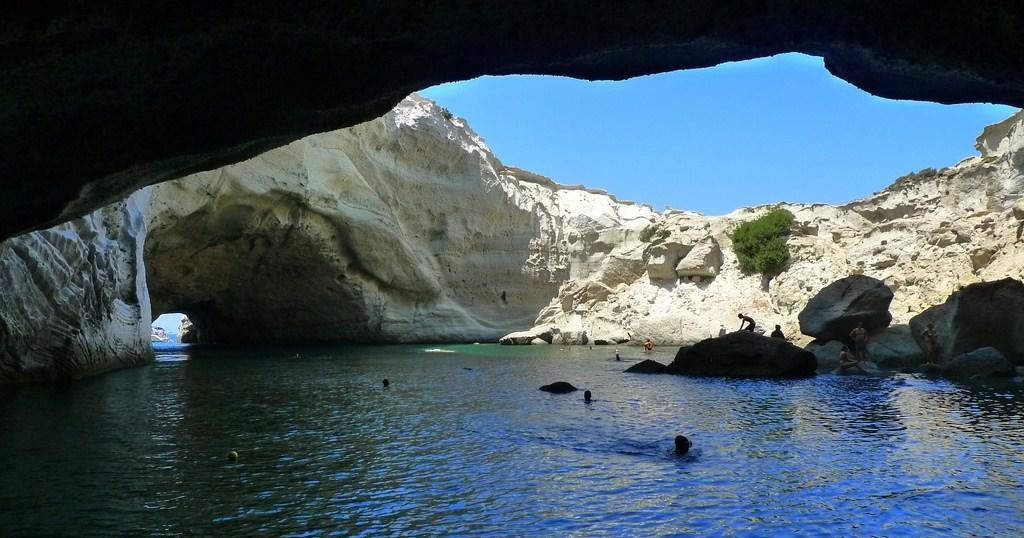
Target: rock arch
99	100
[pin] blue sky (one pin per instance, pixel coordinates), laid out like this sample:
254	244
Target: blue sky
740	134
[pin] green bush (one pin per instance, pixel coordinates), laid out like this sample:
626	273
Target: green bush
760	244
653	232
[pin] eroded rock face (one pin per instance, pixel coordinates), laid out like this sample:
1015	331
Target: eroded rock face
403	229
73	298
839	307
743	354
163	90
986	314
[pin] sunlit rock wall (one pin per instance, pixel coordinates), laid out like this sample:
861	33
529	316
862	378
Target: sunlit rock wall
73	298
402	229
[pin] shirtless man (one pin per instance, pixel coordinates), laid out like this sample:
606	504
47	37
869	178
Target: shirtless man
648	344
746	319
860	341
848	363
931	344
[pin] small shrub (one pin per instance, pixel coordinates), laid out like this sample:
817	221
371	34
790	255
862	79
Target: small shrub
648	232
760	244
447	114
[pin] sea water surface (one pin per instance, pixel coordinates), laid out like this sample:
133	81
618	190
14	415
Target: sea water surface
463	443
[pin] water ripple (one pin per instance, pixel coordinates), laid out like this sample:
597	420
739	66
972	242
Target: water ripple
464	444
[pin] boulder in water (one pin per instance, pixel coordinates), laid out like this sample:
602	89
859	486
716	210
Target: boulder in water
559	387
827	353
894	348
986	314
646	367
982	362
839	307
527	337
743	354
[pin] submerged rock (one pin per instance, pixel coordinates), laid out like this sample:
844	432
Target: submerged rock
839	307
982	362
744	354
647	366
986	314
559	387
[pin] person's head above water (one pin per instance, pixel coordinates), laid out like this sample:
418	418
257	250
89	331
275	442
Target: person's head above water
682	444
586	396
386	383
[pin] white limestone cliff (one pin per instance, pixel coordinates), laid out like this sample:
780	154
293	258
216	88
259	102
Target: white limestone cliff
73	300
408	229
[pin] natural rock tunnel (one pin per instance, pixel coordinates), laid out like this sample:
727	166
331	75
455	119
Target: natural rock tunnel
100	99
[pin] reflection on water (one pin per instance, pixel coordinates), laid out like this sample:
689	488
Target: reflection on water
464	443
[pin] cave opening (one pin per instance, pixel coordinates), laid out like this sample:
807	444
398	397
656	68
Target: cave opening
181	326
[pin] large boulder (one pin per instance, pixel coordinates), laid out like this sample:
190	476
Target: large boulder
647	366
986	314
827	353
703	261
743	354
522	338
895	348
839	307
982	362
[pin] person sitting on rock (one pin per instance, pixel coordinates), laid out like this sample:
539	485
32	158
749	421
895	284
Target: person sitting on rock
777	333
848	363
721	329
648	344
859	335
746	319
930	338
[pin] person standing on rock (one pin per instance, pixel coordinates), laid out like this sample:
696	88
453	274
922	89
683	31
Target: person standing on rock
721	330
859	335
931	344
747	319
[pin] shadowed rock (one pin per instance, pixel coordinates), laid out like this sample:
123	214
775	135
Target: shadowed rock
559	387
895	348
839	307
743	354
982	362
647	366
986	314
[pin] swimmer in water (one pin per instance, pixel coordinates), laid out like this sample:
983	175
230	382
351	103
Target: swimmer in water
682	445
617	355
586	396
387	383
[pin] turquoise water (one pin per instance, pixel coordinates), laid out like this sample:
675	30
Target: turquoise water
464	444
